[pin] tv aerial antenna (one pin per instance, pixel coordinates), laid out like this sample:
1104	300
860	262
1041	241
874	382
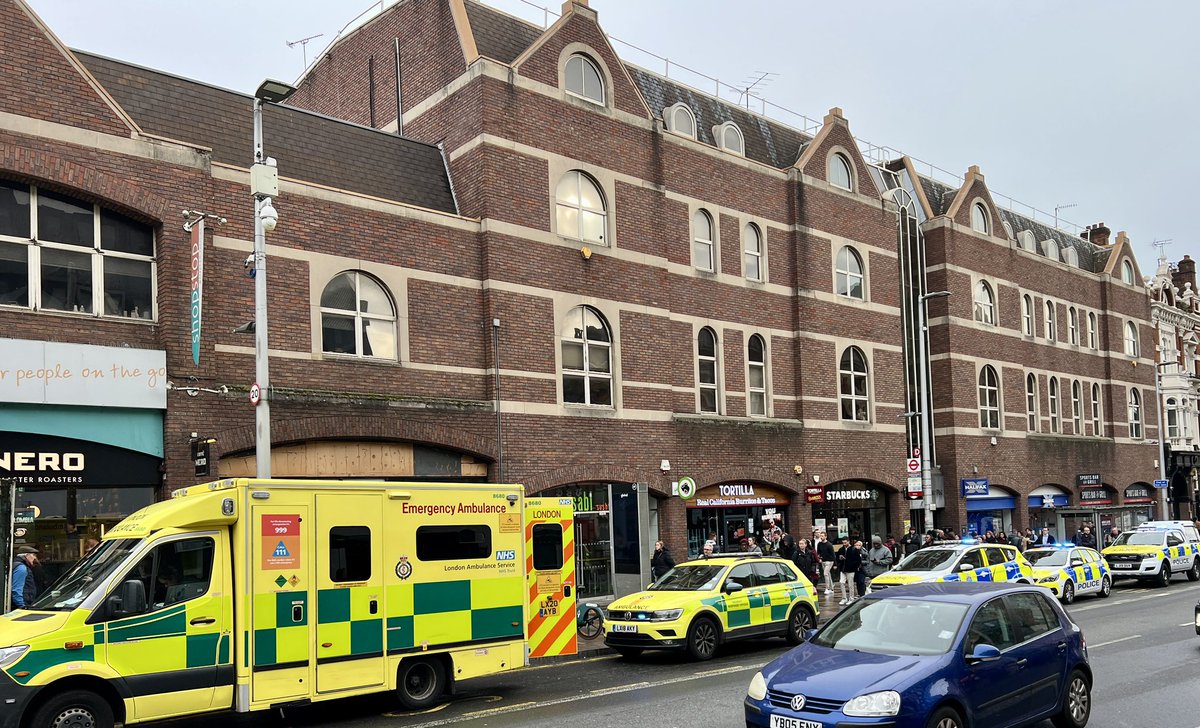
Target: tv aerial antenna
303	43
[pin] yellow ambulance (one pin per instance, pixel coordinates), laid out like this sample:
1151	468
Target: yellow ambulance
248	595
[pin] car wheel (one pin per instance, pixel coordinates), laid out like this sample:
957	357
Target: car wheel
1164	575
1068	595
1077	703
1105	587
1193	574
76	708
945	718
420	683
799	622
628	652
590	627
702	639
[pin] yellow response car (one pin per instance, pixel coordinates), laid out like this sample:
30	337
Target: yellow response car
700	604
1068	571
967	560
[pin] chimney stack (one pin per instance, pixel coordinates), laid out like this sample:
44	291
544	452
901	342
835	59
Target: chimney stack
1185	272
1096	234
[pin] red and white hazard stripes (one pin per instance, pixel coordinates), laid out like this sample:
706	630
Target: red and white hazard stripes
551	603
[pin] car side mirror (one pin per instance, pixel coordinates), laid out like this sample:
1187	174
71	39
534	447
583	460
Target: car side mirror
966	567
733	586
130	598
984	653
1076	562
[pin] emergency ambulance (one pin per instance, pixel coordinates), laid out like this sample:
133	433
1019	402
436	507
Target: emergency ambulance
250	595
1154	551
966	560
1069	571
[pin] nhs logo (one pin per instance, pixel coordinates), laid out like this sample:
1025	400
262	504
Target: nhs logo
509	555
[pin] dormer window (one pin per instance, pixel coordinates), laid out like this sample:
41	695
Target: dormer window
1050	249
680	120
583	79
981	222
839	172
1071	256
1025	240
729	137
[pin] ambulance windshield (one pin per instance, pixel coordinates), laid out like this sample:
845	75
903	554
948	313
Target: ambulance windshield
689	578
85	577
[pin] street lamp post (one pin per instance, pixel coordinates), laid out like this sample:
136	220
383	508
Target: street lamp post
1162	437
264	184
926	405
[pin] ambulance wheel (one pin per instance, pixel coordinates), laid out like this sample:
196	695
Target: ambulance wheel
1076	704
1193	574
702	639
73	709
1068	595
1164	575
1105	588
420	683
799	622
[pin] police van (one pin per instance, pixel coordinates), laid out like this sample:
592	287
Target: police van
249	595
1154	551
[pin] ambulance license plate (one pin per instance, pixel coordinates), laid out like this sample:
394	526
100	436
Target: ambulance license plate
783	721
624	628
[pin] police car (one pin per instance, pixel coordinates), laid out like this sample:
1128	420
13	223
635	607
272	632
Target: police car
966	560
700	604
1155	551
1068	571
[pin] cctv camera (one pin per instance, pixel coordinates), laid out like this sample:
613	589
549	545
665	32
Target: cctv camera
268	215
248	265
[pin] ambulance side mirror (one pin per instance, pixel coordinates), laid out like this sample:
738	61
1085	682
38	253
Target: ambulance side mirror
733	586
130	598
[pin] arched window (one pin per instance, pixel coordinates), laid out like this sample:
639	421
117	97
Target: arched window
1073	325
1071	256
1008	229
729	136
1054	414
1127	271
1026	241
1027	314
1135	414
702	241
839	172
1051	321
1172	418
586	346
357	317
752	252
580	210
989	399
981	222
1093	333
757	362
985	303
1050	249
1031	402
682	121
584	80
1076	408
852	384
1097	421
1131	339
850	274
708	366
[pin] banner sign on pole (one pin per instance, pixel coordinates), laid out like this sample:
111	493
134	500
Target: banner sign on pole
197	269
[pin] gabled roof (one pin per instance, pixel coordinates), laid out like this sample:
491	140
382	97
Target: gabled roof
1091	257
773	144
498	35
309	147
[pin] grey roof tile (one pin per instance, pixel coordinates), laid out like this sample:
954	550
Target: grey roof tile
499	36
308	146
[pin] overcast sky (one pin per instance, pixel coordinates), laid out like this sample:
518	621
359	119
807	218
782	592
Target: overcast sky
1091	103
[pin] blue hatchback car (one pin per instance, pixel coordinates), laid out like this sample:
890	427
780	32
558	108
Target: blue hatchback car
935	655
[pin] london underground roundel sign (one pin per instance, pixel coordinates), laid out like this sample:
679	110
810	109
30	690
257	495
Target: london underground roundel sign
687	488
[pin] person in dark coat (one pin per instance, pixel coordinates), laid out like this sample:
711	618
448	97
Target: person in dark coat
661	562
787	547
807	561
24	583
828	557
1086	538
910	542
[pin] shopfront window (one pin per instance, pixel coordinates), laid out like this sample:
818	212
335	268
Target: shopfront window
593	537
853	509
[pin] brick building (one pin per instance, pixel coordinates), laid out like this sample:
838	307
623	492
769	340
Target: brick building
570	272
1176	311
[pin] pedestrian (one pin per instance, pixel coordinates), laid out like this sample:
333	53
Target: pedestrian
806	561
928	541
1085	537
1045	538
752	547
787	547
849	560
89	546
910	542
827	557
989	536
1002	538
661	562
879	558
894	546
1112	536
24	584
706	552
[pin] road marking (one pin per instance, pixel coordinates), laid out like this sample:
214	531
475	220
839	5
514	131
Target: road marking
1186	624
588	696
1113	642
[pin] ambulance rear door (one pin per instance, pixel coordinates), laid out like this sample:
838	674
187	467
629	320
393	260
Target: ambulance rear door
550	575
